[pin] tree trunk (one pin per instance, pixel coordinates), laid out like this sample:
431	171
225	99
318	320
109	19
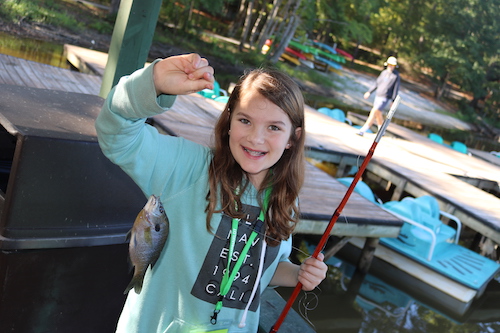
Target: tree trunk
246	27
254	33
265	33
278	28
114	6
236	24
287	37
355	54
191	7
442	87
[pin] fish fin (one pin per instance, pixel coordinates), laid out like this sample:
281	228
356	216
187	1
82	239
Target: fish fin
154	262
136	284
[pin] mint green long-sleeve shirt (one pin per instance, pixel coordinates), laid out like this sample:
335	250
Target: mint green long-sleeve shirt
180	292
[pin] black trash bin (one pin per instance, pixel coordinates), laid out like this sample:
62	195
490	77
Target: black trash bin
64	212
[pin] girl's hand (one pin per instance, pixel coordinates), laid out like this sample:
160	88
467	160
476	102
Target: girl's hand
312	272
183	74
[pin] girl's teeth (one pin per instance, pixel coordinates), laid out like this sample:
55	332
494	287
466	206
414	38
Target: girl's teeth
254	153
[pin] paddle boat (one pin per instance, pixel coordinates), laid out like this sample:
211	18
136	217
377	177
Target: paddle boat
330	65
345	54
325	46
299	56
377	297
323	60
427	249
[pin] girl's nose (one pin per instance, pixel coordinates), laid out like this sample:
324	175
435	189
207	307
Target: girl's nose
256	136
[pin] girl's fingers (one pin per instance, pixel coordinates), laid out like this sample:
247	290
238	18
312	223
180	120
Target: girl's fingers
183	74
312	272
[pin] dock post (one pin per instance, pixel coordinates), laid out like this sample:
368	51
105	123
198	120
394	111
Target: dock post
363	265
131	40
398	192
367	253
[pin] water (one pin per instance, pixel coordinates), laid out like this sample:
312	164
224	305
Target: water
34	50
345	304
338	307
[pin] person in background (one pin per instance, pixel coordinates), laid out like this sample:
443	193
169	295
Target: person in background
232	208
387	87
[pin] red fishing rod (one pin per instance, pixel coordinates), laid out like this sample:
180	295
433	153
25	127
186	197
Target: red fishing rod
337	212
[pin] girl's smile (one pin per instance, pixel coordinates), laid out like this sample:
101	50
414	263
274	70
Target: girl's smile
260	132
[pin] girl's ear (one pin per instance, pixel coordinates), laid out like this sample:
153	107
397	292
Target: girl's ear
298	132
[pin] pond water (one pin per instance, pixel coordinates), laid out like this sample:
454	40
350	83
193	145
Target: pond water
335	307
370	304
374	305
34	50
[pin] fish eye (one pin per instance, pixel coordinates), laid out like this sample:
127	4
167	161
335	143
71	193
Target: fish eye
157	227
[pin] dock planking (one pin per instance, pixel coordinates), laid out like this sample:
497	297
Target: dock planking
422	166
21	72
410	161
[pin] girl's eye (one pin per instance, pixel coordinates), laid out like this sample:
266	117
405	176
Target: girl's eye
244	121
274	128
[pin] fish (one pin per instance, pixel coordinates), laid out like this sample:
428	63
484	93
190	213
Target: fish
146	240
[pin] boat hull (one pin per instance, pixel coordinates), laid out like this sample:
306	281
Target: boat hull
451	297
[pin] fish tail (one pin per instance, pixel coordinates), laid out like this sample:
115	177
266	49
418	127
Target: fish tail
136	284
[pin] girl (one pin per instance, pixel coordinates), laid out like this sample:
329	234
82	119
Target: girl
232	209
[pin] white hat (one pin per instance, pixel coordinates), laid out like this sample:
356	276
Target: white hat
391	61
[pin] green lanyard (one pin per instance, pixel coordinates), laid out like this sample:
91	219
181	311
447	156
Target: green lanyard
228	278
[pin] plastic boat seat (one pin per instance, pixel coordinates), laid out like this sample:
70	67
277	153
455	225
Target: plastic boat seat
336	114
430	205
435	137
361	188
222	99
324	110
445	234
340	116
459	146
213	93
421	233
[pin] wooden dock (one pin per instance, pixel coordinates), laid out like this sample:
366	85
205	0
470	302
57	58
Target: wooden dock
20	72
418	166
410	162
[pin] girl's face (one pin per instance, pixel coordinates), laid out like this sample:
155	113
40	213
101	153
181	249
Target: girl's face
260	132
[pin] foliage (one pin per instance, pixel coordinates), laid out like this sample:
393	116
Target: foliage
42	12
455	42
56	13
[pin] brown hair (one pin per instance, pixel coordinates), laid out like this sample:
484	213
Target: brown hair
286	176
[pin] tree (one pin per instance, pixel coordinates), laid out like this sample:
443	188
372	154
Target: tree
114	6
461	47
283	39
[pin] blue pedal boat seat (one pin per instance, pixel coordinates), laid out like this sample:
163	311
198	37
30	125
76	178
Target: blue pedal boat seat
427	240
361	188
460	147
213	93
435	137
336	114
431	206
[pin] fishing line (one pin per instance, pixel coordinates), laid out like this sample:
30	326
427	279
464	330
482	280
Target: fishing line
263	234
305	305
336	214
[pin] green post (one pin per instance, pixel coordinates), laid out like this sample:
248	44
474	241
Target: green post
131	40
